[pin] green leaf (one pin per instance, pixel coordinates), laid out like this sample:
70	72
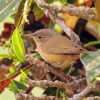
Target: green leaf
91	61
23	76
16	86
61	1
92	43
12	70
37	12
18	46
51	24
49	1
19	12
58	28
19	85
71	1
7	7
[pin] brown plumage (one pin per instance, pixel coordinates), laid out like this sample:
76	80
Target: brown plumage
56	49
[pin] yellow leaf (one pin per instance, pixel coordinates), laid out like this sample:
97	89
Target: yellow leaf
38	13
97	5
69	20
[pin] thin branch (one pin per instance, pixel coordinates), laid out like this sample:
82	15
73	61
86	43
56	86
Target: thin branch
80	96
52	14
22	96
95	86
58	84
93	98
74	38
79	85
75	84
70	87
82	12
42	64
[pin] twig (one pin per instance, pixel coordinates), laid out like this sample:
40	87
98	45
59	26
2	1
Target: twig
93	98
22	96
74	38
75	84
58	84
79	85
82	12
82	94
95	86
42	64
59	21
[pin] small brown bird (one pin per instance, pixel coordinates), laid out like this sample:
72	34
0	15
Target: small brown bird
56	49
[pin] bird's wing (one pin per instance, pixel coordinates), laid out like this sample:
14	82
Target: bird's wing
61	45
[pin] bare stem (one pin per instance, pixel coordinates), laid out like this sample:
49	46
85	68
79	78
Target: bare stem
82	12
22	96
52	14
82	94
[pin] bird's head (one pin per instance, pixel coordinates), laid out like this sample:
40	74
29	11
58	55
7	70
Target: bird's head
41	36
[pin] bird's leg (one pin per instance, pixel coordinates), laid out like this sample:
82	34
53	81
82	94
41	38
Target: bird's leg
70	70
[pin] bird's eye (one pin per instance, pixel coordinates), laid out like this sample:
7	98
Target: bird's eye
39	37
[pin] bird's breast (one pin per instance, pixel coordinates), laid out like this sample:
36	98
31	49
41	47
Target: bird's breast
59	60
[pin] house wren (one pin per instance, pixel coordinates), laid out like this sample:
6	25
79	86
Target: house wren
56	49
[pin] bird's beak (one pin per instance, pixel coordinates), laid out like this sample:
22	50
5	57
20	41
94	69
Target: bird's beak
34	34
